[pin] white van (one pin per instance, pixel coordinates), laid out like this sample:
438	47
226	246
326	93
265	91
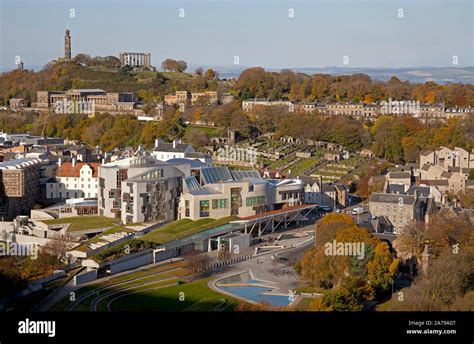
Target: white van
357	211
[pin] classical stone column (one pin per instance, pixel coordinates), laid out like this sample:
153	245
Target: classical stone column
148	60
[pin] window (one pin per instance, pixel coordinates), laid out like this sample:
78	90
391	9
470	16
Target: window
220	203
186	206
204	208
254	201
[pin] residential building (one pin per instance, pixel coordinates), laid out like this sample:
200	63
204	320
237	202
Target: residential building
208	97
325	194
204	97
401	209
359	110
74	180
165	151
447	169
19	186
179	97
249	104
445	157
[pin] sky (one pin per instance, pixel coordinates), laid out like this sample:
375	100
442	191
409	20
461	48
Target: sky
362	33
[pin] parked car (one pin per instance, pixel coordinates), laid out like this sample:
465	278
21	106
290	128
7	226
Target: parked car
357	211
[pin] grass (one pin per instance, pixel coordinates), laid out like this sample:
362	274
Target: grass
210	131
302	165
282	161
178	76
304	304
182	228
79	223
141	275
98	238
192	296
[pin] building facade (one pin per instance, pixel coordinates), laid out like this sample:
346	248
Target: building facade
74	180
19	188
85	101
400	209
220	193
140	189
165	151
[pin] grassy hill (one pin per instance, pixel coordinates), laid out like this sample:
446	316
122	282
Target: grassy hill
64	75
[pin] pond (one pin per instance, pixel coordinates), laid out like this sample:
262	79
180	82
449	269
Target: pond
243	285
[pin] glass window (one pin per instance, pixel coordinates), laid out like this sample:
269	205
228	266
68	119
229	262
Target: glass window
220	203
204	208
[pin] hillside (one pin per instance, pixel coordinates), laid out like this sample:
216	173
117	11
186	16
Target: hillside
64	75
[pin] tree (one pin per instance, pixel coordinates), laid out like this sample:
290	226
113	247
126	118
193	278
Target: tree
466	198
444	288
198	263
170	65
57	247
347	280
411	241
381	269
199	71
211	74
197	138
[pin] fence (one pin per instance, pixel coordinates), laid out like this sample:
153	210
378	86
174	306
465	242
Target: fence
225	263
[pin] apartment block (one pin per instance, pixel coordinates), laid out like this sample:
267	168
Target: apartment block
19	186
74	180
400	209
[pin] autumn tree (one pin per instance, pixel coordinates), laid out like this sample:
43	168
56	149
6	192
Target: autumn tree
170	65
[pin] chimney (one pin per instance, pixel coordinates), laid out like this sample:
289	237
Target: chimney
60	161
320	183
103	161
73	162
174	143
157	141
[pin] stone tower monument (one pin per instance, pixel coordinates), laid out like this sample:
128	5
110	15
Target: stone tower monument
67	45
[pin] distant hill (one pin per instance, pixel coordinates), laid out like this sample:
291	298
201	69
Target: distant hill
440	75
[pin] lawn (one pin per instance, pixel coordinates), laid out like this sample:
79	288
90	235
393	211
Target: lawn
210	131
302	165
79	223
139	276
182	228
190	296
178	76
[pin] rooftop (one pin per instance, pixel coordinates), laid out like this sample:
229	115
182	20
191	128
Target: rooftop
392	198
